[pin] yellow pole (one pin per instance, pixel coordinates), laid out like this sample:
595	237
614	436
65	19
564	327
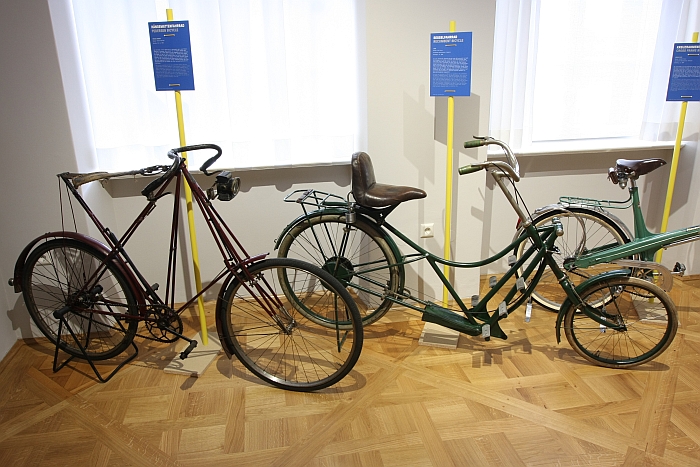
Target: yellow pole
190	214
674	167
448	184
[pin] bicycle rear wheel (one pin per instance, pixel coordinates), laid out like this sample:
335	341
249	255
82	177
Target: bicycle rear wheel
584	230
357	255
646	311
69	273
265	319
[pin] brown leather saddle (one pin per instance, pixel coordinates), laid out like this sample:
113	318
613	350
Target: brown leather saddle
633	168
367	192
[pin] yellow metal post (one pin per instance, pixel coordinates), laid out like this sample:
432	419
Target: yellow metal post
448	184
674	167
190	214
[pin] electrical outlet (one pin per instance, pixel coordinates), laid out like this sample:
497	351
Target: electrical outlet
426	230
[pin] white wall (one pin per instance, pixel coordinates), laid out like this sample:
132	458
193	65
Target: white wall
36	145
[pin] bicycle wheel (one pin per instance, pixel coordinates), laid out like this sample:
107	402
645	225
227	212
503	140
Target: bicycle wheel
69	273
265	320
646	311
357	255
599	231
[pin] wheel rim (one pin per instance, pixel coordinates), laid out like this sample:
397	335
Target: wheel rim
307	357
363	267
56	273
643	310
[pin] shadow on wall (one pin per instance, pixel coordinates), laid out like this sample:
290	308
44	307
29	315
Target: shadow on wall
19	316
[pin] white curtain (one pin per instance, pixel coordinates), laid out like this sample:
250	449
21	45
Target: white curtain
513	72
275	81
517	104
679	19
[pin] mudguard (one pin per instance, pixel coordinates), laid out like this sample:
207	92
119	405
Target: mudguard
581	287
96	244
303	217
221	304
220	310
559	207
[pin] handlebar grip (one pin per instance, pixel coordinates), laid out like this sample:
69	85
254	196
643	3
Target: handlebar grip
173	153
469	169
151	187
474	143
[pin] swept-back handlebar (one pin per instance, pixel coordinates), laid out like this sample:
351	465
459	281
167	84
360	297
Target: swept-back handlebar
510	168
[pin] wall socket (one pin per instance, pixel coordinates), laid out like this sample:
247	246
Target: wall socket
426	230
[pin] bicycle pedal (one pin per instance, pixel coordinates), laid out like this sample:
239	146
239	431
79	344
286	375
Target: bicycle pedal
185	353
679	269
528	310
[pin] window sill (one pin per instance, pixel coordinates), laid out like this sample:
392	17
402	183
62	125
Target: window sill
588	146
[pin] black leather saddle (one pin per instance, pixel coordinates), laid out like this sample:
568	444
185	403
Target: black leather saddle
633	168
367	192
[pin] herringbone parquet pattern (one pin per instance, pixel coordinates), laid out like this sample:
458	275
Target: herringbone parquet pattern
525	401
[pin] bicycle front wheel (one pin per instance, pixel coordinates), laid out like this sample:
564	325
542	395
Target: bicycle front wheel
646	313
584	230
68	273
265	317
357	255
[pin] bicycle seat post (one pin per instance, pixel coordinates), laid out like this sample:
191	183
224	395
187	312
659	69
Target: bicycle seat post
351	215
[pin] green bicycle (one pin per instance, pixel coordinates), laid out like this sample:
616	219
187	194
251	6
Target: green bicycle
611	319
590	228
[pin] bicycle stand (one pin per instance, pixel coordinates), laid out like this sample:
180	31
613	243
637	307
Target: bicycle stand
60	314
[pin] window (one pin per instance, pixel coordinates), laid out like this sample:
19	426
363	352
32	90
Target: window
582	69
275	81
592	68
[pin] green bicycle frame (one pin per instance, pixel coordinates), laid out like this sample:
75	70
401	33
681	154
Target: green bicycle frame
645	244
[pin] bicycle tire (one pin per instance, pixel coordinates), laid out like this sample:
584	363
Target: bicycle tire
54	273
317	240
308	357
599	231
649	316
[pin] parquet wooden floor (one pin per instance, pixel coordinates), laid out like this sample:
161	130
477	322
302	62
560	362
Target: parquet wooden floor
525	401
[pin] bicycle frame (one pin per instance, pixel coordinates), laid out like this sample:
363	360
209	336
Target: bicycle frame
645	244
236	259
477	320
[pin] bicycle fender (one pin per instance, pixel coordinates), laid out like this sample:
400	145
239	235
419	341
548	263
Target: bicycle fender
559	208
221	306
220	310
96	244
581	287
19	264
322	212
304	217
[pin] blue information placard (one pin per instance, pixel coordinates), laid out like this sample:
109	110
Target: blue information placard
172	56
450	63
684	82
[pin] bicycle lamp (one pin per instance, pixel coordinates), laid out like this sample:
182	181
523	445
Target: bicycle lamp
225	188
